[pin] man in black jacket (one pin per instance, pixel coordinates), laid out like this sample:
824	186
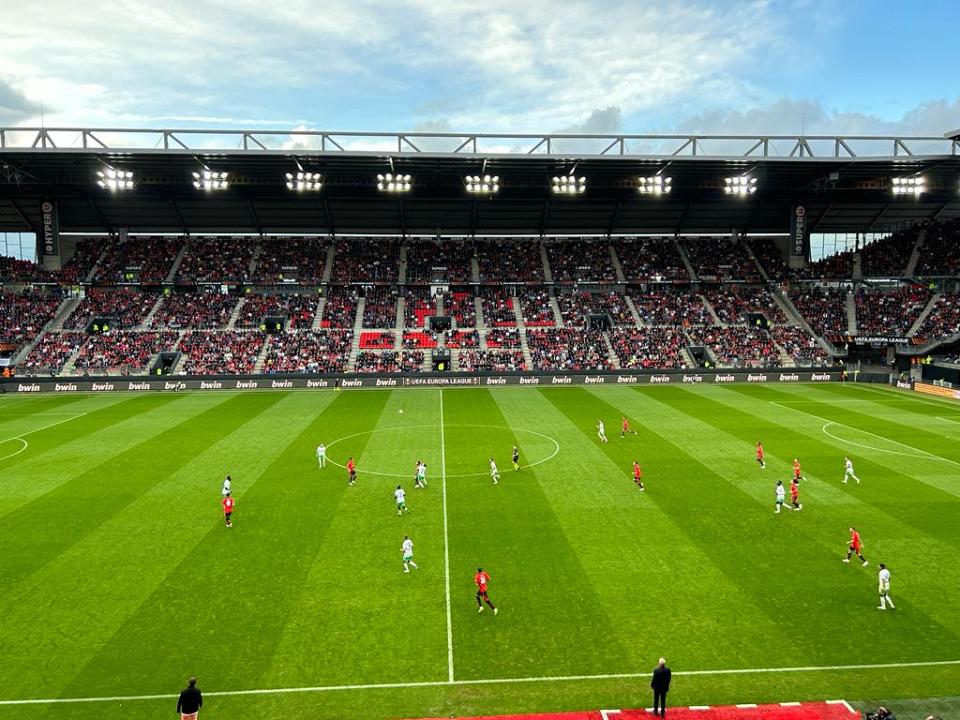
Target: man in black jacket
190	701
660	682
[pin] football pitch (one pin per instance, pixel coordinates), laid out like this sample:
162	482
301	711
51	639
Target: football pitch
118	578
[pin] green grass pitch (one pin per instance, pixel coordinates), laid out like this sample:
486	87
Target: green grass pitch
118	577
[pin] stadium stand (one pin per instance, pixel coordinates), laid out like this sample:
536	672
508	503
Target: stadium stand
715	259
220	353
125	351
491	361
52	351
86	251
423	339
291	261
216	260
799	345
535	307
299	309
440	262
737	345
377	340
769	257
150	257
462	306
125	308
888	256
380	308
889	313
943	319
649	347
734	304
195	311
833	267
577	307
580	260
14	271
503	338
418	305
340	309
371	260
463	339
504	260
825	310
497	307
938	254
308	351
650	260
23	315
567	349
672	308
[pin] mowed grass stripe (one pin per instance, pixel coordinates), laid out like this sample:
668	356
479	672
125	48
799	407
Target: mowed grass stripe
726	608
161	527
355	604
231	596
552	620
16	418
815	565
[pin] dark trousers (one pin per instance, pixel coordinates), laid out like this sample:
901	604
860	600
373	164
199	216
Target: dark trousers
660	701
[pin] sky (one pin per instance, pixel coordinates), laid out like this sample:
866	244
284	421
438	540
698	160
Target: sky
538	66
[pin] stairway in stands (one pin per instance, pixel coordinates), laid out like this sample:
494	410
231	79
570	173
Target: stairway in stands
911	268
357	329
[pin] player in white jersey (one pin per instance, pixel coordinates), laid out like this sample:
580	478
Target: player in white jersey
422	475
322	455
848	470
884	580
416	475
401	497
227	485
601	432
494	473
781	494
407	549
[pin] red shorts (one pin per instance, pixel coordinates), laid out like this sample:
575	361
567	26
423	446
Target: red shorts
189	716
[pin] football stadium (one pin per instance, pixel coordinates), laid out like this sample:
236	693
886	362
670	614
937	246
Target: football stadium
440	424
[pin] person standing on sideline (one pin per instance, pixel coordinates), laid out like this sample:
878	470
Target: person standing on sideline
190	701
660	682
322	455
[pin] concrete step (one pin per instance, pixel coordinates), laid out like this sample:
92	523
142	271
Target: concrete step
96	266
318	314
911	268
711	311
851	314
613	356
923	315
262	357
793	314
404	253
525	349
328	268
64	311
633	310
176	263
474	269
235	315
150	315
557	315
756	261
547	272
254	260
686	260
617	267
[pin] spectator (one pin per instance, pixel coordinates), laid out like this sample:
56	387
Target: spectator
380	308
308	351
190	701
650	259
429	261
220	353
125	308
463	307
717	260
150	257
660	682
217	259
568	349
497	307
298	309
649	347
580	260
340	310
291	261
503	260
825	310
889	313
491	361
368	260
195	311
674	309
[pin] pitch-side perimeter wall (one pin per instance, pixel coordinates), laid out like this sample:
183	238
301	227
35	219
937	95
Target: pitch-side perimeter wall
328	382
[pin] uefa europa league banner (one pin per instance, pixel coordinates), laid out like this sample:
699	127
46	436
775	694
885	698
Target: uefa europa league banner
799	233
50	228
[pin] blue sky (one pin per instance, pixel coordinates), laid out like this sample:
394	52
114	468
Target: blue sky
533	66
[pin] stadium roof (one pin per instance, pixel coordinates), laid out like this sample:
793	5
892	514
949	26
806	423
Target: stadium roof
844	182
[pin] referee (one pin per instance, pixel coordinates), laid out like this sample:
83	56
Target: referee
190	701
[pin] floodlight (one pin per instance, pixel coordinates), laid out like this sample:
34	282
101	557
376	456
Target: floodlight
210	180
915	186
655	185
568	185
393	183
487	185
740	185
114	180
301	181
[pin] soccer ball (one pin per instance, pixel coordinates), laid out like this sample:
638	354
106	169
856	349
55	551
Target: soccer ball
401	411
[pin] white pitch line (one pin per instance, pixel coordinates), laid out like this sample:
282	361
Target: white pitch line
446	542
486	681
31	432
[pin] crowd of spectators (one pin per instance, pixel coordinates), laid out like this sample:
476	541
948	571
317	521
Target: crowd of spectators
51	353
770	257
370	260
497	307
195	311
834	267
24	314
491	361
737	345
377	362
734	304
938	254
220	353
882	312
505	260
308	351
463	339
462	306
382	340
291	260
580	260
824	309
536	308
125	308
300	309
125	351
720	259
575	307
412	340
16	271
799	345
418	305
217	260
86	251
568	349
340	309
151	256
650	259
429	261
649	347
504	337
668	307
888	256
943	319
380	308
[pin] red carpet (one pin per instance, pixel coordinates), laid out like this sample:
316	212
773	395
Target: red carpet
833	710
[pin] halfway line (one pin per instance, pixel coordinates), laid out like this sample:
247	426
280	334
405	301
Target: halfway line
446	543
487	681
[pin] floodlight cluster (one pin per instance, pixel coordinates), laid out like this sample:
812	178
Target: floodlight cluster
210	180
909	186
111	179
740	185
393	183
568	185
655	185
482	185
301	181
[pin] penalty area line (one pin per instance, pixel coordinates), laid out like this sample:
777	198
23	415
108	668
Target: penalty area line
490	681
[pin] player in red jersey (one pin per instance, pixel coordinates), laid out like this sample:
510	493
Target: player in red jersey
856	546
797	476
760	455
795	494
481	579
638	474
625	427
227	503
352	469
